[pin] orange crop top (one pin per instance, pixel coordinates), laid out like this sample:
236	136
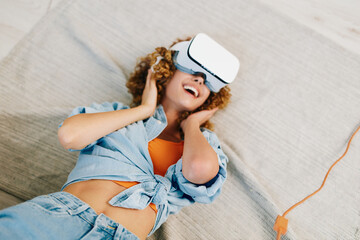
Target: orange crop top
163	154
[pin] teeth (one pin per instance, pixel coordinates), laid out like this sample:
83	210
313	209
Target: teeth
192	89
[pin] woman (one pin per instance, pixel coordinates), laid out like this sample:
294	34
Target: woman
136	165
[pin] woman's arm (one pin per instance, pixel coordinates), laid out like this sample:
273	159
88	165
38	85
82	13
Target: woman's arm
82	129
200	161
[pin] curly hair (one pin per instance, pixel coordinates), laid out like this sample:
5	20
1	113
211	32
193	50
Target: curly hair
163	72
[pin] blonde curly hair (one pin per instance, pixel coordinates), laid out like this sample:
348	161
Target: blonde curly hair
163	72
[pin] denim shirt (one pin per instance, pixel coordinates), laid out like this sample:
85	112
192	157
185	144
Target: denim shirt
123	156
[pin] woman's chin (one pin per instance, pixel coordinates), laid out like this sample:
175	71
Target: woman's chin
189	108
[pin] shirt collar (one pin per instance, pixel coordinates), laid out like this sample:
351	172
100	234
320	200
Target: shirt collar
156	123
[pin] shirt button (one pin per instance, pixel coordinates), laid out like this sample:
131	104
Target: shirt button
158	121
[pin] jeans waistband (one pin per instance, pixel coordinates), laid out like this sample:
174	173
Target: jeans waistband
78	207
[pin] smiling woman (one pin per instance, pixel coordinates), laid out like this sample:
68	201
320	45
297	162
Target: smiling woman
137	165
164	70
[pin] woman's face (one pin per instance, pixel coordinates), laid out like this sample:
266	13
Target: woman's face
186	92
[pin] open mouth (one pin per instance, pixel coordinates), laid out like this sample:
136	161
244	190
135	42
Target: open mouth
191	90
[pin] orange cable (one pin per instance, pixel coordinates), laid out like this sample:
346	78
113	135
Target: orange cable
280	225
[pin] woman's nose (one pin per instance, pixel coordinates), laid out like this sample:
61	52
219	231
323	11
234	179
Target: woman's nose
199	80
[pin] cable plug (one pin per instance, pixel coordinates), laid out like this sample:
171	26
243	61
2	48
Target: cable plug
280	226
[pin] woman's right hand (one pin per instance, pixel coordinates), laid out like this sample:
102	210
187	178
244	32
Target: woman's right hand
149	96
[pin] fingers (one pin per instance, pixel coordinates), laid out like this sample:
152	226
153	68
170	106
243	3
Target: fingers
211	113
150	84
149	96
150	80
148	77
200	117
214	110
204	115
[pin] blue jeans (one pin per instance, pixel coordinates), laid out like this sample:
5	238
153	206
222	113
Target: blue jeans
58	215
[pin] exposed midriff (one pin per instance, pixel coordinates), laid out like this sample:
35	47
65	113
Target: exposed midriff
98	192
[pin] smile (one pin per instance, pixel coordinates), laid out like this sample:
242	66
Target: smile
191	90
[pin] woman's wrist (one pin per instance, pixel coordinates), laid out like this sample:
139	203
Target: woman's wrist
147	111
189	124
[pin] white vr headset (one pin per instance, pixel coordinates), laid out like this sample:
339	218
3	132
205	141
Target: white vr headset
203	55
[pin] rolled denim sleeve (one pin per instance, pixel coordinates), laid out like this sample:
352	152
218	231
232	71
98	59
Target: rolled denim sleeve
204	193
95	108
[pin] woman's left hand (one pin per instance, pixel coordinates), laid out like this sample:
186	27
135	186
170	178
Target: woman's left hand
200	161
198	118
